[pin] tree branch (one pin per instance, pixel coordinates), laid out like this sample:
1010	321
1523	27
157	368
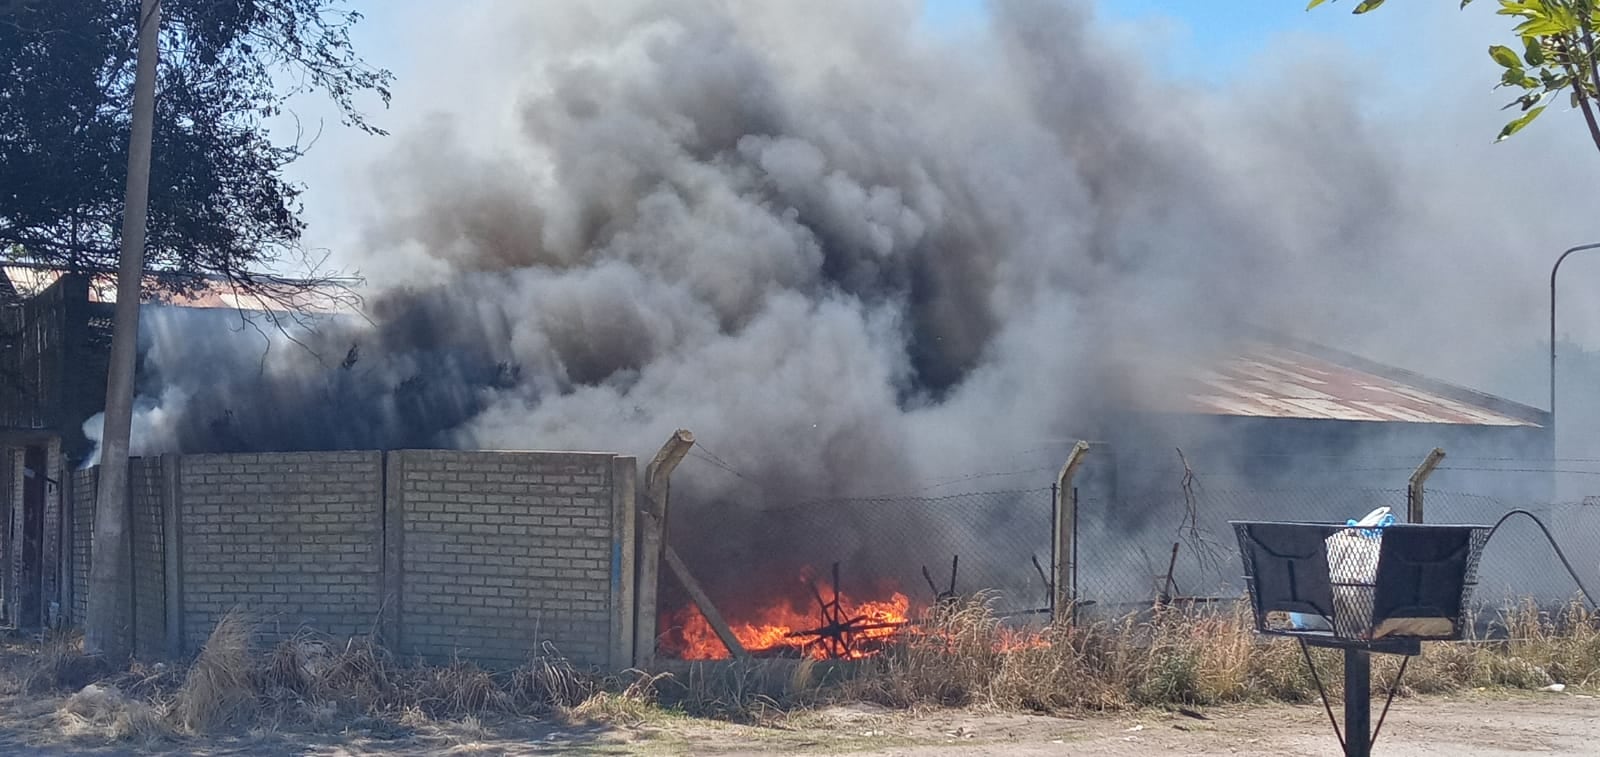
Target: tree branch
1574	68
1588	49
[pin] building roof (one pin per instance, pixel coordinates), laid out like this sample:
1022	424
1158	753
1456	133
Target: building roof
272	294
1280	379
1267	376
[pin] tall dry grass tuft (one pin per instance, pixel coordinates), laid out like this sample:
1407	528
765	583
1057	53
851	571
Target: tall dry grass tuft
220	687
355	676
62	664
634	703
458	689
550	683
1563	644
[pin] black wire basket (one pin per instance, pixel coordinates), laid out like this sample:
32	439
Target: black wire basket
1334	585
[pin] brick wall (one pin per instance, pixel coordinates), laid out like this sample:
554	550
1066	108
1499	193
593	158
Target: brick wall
81	507
492	556
293	539
500	554
146	531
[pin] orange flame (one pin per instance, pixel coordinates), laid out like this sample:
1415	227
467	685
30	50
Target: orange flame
772	628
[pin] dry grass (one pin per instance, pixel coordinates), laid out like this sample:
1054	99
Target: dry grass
1197	656
220	689
103	710
958	657
61	664
633	704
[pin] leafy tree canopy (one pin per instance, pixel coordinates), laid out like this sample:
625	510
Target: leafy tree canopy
219	203
1554	54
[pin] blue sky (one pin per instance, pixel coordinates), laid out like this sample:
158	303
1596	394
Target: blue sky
1206	40
1197	40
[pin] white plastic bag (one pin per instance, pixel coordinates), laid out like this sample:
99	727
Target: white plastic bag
1352	559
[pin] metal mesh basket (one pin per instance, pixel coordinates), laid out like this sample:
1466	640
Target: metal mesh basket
1339	583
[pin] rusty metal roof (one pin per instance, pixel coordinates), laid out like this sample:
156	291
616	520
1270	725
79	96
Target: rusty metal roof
1269	380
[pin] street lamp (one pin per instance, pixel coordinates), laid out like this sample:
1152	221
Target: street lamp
1553	270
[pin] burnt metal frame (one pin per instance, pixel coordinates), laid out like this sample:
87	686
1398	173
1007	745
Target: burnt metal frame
837	634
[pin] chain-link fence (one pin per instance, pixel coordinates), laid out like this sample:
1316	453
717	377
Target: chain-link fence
774	566
1519	560
1134	549
1132	544
1176	542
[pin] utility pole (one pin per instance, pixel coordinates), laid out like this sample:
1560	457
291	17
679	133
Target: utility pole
106	629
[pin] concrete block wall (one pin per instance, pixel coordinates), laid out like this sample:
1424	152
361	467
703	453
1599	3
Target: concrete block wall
293	539
492	556
497	556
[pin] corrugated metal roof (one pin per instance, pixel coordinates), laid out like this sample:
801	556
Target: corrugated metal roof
205	293
1272	381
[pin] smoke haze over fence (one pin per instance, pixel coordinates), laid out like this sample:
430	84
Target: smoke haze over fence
853	257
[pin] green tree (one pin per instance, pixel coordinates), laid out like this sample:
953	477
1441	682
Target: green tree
219	203
1556	40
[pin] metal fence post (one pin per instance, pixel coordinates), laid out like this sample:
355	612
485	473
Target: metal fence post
1064	558
1419	478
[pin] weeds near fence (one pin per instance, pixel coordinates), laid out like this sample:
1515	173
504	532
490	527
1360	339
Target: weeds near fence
1202	656
958	657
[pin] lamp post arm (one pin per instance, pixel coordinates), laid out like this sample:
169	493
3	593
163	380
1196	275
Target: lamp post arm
1553	271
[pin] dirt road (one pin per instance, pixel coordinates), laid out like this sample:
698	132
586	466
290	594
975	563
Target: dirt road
1486	725
1549	724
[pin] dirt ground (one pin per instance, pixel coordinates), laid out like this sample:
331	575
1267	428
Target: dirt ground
1480	724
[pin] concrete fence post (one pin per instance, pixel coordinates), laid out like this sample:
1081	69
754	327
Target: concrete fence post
391	529
1419	479
1064	558
656	550
652	510
624	496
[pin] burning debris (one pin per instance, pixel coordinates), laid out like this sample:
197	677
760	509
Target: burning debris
839	627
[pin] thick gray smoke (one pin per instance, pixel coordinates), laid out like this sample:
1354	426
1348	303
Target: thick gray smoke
851	257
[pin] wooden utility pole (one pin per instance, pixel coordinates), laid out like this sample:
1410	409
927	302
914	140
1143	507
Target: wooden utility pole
106	629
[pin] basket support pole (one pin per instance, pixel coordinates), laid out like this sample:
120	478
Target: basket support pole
1357	702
